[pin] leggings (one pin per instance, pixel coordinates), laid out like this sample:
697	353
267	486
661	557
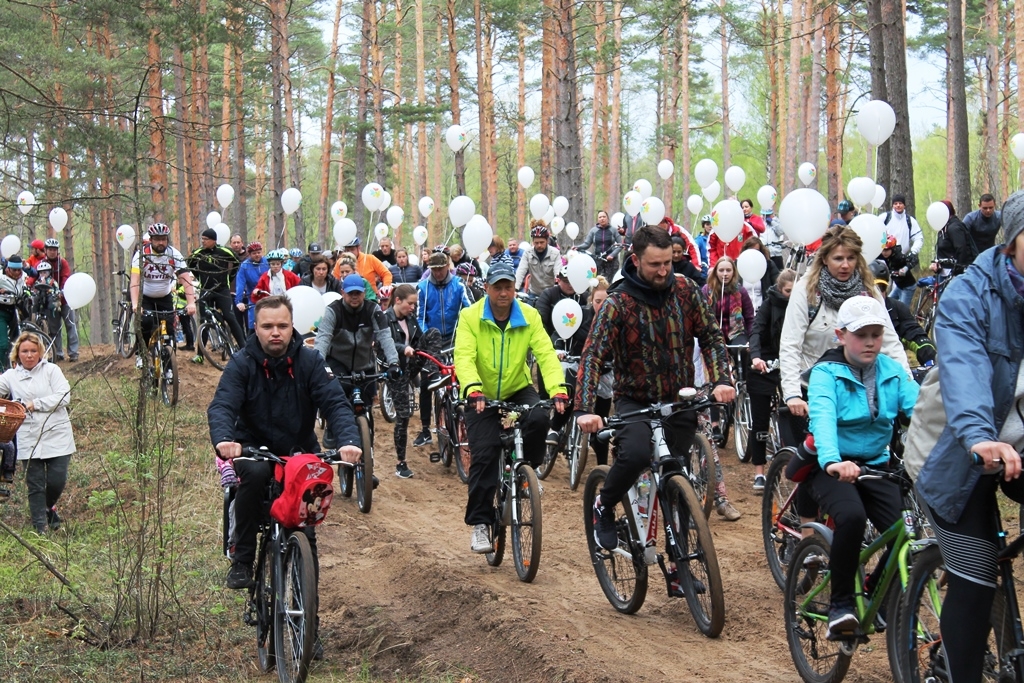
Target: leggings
401	395
968	549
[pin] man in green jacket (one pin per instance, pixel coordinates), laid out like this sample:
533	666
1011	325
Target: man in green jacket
492	340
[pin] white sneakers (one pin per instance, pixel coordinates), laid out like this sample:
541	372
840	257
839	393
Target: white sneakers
480	541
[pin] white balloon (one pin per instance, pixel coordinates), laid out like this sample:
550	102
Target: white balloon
385	201
414	260
806	173
561	205
582	269
125	236
766	196
694	203
665	169
727	219
329	298
572	230
26	200
223	233
557	224
79	290
395	216
460	210
632	202
618	218
735	177
419	235
643	186
861	190
10	246
477	235
805	215
426	206
58	218
380	231
872	233
308	307
525	177
372	196
567	316
549	215
712	191
225	195
290	200
455	136
652	211
937	215
752	265
876	121
879	199
213	219
1017	146
539	205
344	231
705	172
339	210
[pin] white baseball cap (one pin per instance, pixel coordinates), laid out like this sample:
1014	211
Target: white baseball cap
861	311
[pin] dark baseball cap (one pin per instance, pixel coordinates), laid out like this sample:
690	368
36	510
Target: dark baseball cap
500	271
314	248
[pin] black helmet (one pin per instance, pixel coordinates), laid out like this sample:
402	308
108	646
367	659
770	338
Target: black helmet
880	271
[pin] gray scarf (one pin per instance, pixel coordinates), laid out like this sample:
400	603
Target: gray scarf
832	292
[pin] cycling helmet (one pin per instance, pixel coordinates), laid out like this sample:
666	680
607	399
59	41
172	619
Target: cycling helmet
385	292
767	211
254	246
354	243
845	206
540	231
277	255
880	271
890	243
43	265
442	249
563	272
52	242
464	269
159	230
295	253
706	218
37	244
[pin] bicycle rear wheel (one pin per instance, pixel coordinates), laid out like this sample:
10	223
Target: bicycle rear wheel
214	345
295	610
702	467
442	416
460	445
808	593
387	403
778	518
741	425
124	338
693	553
527	526
622	572
364	470
548	463
579	448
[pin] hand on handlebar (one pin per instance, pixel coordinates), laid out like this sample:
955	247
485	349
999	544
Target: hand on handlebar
350	454
477	401
394	372
995	454
190	309
590	423
240	306
759	365
723	393
844	471
228	450
561	402
797	407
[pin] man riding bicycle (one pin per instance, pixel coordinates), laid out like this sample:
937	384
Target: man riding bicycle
646	330
540	263
214	265
493	338
156	267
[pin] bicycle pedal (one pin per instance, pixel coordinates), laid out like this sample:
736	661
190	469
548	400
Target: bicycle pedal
435	456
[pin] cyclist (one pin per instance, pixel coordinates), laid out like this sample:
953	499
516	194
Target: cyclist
465	272
46	297
904	227
367	265
386	252
403	271
702	240
607	244
954	247
540	263
855	395
37	253
61	272
495	334
901	272
12	286
755	222
717	248
646	329
292	263
345	266
514	252
460	257
441	297
249	273
156	267
214	265
320	279
606	387
844	213
907	328
546	302
276	281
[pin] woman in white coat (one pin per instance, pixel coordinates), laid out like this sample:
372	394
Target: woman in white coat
45	440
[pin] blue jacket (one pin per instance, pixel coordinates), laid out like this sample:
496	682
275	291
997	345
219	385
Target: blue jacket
979	332
841	423
248	275
439	305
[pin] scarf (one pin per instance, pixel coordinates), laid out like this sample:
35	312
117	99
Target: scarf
832	293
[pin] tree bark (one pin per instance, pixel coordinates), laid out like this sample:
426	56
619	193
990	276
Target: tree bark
377	85
1018	32
793	127
440	194
157	148
292	127
876	40
326	142
421	101
547	100
241	222
726	142
485	95
683	169
769	39
453	85
569	155
812	127
360	175
520	229
991	142
614	128
961	167
182	190
833	113
277	48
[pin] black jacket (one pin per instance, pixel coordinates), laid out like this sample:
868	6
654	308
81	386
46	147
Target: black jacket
685	267
954	246
573	346
764	341
273	402
390	259
895	262
909	331
332	284
546	303
415	335
215	268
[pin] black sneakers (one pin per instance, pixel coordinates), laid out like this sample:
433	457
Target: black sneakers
605	533
423	439
53	519
402	470
239	576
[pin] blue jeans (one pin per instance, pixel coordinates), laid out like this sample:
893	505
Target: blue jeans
904	295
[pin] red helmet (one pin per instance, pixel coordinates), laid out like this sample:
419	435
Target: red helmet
890	243
37	244
254	246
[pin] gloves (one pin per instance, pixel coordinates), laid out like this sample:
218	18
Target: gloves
394	372
561	402
476	400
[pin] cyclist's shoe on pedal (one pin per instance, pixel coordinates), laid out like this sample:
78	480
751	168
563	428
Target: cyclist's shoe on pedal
717	436
423	439
842	620
812	565
239	576
53	519
480	541
605	533
402	471
138	362
726	510
759	484
552	439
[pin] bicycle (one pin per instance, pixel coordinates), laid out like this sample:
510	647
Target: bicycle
819	656
517	498
360	473
450	418
706	467
124	323
571	441
739	413
931	288
34	322
666	485
282	602
214	337
162	369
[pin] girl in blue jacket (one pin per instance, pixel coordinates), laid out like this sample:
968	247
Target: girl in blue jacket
854	395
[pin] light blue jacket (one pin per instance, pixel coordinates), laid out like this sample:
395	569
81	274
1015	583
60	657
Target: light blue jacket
248	275
979	333
439	305
841	423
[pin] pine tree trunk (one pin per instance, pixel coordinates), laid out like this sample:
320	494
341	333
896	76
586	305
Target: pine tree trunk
812	144
292	127
1018	32
440	194
769	38
961	166
901	160
547	100
223	171
421	102
182	190
377	83
203	119
614	128
328	126
453	85
600	109
833	112
397	145
1005	187
671	137
683	31
485	110
521	223
275	238
950	130
991	144
360	176
793	127
782	171
569	155
157	148
239	174
726	133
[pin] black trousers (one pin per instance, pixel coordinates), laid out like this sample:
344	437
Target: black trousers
485	445
224	302
164	304
251	508
634	447
602	407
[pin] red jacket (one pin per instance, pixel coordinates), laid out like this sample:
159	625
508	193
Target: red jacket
692	251
756	222
716	249
263	284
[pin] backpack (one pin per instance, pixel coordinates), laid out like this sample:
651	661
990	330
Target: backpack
308	489
927	425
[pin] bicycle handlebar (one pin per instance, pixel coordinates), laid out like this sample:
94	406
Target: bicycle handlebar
655	411
330	456
361	377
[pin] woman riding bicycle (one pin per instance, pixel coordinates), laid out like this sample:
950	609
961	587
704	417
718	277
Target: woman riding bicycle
979	336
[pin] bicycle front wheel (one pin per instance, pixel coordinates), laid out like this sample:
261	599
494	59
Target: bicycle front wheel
387	403
442	416
166	365
741	425
460	445
364	470
693	552
263	608
498	528
622	572
295	610
214	345
780	524
124	339
548	463
702	468
526	524
579	448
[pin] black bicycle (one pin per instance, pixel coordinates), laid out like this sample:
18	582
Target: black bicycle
360	473
124	323
215	340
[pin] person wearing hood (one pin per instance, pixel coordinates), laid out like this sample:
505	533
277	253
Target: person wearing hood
954	246
646	330
606	243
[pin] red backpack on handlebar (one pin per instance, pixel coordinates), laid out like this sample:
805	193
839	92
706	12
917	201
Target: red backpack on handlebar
308	489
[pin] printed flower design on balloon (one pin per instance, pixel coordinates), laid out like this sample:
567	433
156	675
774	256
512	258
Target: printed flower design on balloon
714	220
376	191
570	319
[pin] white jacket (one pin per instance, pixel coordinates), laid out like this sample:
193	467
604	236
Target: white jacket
46	432
803	342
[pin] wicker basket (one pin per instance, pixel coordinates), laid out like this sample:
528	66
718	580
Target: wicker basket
12	414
